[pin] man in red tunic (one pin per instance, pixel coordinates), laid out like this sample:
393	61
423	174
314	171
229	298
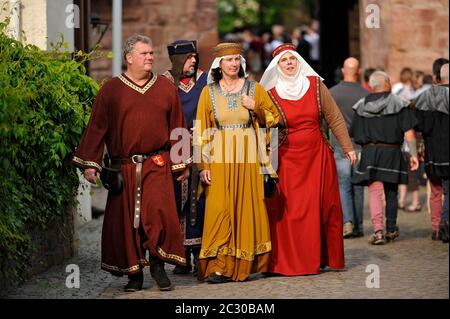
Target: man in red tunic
134	115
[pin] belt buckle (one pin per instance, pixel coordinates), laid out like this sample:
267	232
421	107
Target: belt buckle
137	159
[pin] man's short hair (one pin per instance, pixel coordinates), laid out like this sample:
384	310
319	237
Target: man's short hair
131	41
377	79
444	73
437	64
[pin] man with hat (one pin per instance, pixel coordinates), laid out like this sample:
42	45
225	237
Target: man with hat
190	81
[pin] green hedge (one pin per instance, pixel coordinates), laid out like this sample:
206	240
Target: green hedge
45	100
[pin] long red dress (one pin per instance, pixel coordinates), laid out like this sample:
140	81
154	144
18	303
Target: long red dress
305	216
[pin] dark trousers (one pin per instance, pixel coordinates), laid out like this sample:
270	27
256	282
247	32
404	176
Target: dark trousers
391	194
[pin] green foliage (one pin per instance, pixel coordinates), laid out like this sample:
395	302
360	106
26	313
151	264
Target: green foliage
45	100
262	14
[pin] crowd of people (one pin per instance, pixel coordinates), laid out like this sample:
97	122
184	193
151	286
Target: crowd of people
193	149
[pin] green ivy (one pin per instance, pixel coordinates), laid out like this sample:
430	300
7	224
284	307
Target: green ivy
45	101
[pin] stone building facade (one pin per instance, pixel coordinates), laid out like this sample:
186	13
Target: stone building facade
164	21
388	34
412	33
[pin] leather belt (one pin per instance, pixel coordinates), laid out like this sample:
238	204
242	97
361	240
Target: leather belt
381	144
138	160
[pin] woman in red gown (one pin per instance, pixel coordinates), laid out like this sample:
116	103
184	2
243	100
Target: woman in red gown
305	216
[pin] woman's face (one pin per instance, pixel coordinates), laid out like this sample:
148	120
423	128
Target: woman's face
230	65
288	64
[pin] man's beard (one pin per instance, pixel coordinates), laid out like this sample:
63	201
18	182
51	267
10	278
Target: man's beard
189	73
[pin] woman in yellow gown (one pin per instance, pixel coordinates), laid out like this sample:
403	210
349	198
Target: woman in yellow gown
236	234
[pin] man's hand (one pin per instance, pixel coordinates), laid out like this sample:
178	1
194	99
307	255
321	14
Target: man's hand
205	176
184	175
248	102
91	175
413	163
351	156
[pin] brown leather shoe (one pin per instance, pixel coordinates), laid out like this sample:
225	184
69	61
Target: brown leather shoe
391	236
377	238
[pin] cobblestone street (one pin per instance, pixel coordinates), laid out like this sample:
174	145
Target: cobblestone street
413	266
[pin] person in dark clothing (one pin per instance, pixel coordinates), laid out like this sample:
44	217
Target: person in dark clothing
346	94
381	123
432	108
190	81
303	47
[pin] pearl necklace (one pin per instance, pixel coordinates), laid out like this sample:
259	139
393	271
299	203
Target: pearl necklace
228	89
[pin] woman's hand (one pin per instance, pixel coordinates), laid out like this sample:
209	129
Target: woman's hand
413	163
205	176
248	102
351	156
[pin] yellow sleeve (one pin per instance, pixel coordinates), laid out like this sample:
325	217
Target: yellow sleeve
265	111
202	124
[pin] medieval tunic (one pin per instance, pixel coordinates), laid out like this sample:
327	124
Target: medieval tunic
432	113
189	94
236	235
306	216
379	125
132	119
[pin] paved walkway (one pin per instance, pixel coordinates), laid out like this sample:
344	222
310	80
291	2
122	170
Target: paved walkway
413	266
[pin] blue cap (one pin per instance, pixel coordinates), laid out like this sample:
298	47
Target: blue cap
182	47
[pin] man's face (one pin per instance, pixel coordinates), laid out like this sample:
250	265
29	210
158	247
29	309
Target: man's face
189	65
141	57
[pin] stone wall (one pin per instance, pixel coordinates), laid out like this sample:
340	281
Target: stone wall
412	33
164	22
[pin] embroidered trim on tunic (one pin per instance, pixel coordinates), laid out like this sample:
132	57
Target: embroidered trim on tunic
319	105
86	163
381	169
193	241
142	262
233	126
187	87
184	193
183	87
168	75
231	97
178	166
137	88
284	131
214	103
238	253
171	256
436	164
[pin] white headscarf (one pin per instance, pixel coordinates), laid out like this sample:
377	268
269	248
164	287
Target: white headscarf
288	87
216	64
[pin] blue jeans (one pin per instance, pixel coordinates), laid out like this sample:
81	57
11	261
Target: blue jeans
444	213
352	196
